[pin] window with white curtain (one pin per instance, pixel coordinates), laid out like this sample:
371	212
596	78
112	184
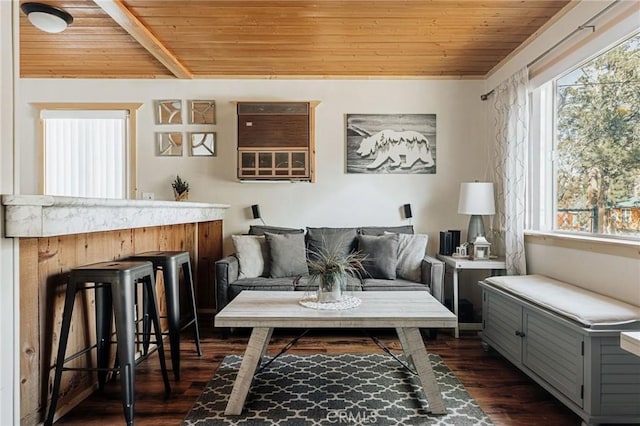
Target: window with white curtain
86	153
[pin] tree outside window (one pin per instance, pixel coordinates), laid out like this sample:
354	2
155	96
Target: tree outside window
597	155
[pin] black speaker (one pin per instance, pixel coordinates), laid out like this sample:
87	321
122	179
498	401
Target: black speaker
446	243
407	211
455	239
255	209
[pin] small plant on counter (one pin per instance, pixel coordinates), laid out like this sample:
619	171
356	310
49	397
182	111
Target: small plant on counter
180	189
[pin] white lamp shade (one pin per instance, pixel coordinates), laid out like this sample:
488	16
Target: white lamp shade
476	198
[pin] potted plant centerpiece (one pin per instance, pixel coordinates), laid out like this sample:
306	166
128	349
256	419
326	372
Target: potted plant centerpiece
180	189
330	269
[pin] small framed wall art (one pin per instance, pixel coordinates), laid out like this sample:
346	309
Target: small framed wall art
202	112
169	144
202	144
169	111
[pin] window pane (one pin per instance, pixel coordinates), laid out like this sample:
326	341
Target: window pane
598	144
282	160
85	157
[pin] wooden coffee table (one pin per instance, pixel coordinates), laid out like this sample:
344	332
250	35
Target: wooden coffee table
406	311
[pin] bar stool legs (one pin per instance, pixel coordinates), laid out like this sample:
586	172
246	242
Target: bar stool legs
170	263
103	307
115	288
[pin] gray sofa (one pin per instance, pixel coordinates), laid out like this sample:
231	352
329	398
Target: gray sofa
427	273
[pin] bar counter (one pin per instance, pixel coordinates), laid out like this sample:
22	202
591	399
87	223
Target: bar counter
46	216
57	234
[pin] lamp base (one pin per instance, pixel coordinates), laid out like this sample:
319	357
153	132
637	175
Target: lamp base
476	227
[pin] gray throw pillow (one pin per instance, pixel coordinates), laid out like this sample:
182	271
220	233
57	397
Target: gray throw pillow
288	255
382	255
251	251
411	250
380	230
339	241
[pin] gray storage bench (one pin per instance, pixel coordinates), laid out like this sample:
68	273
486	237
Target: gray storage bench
568	340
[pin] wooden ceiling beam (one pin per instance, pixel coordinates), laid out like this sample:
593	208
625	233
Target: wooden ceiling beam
132	25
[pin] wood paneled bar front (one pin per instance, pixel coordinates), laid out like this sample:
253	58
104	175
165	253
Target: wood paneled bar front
57	234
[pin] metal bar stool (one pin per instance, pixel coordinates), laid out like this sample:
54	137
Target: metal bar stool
114	284
170	263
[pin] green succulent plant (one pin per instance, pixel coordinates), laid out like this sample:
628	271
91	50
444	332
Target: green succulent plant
180	185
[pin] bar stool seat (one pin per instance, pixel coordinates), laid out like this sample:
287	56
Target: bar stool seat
170	263
114	284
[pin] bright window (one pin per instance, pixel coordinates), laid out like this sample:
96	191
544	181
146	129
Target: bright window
88	150
85	153
594	148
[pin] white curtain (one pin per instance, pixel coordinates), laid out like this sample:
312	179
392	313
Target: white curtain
510	115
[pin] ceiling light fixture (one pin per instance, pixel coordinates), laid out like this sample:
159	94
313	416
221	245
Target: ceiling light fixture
47	18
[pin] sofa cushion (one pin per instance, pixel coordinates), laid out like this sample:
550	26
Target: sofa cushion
411	250
381	255
260	283
372	284
380	230
262	229
340	241
288	255
252	254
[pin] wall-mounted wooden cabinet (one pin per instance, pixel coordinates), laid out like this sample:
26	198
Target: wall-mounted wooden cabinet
276	140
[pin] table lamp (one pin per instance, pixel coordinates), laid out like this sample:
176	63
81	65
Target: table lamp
476	199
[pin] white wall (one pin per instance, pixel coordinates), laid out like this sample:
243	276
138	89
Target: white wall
337	198
613	275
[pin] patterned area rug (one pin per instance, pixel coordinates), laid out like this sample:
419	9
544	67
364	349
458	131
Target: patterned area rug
346	389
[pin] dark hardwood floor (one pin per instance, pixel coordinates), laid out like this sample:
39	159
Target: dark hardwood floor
504	393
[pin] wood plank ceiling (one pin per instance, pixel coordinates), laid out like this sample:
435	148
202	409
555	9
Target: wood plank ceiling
281	39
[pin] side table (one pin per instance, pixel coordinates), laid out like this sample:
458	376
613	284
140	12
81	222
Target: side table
495	265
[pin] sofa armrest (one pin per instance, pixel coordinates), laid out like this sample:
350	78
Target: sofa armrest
433	274
227	270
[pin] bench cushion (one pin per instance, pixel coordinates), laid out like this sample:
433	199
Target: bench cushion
584	306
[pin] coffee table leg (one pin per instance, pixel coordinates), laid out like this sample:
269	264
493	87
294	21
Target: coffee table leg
416	351
405	345
255	349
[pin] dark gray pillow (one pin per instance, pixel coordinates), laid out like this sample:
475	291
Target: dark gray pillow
380	230
340	241
382	255
288	255
262	229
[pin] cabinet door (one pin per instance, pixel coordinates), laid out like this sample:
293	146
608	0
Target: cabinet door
502	319
554	352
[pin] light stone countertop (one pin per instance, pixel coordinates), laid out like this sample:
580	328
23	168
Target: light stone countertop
46	216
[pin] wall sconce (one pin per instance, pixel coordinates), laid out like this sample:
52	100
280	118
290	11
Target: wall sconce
47	18
406	208
476	199
255	211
